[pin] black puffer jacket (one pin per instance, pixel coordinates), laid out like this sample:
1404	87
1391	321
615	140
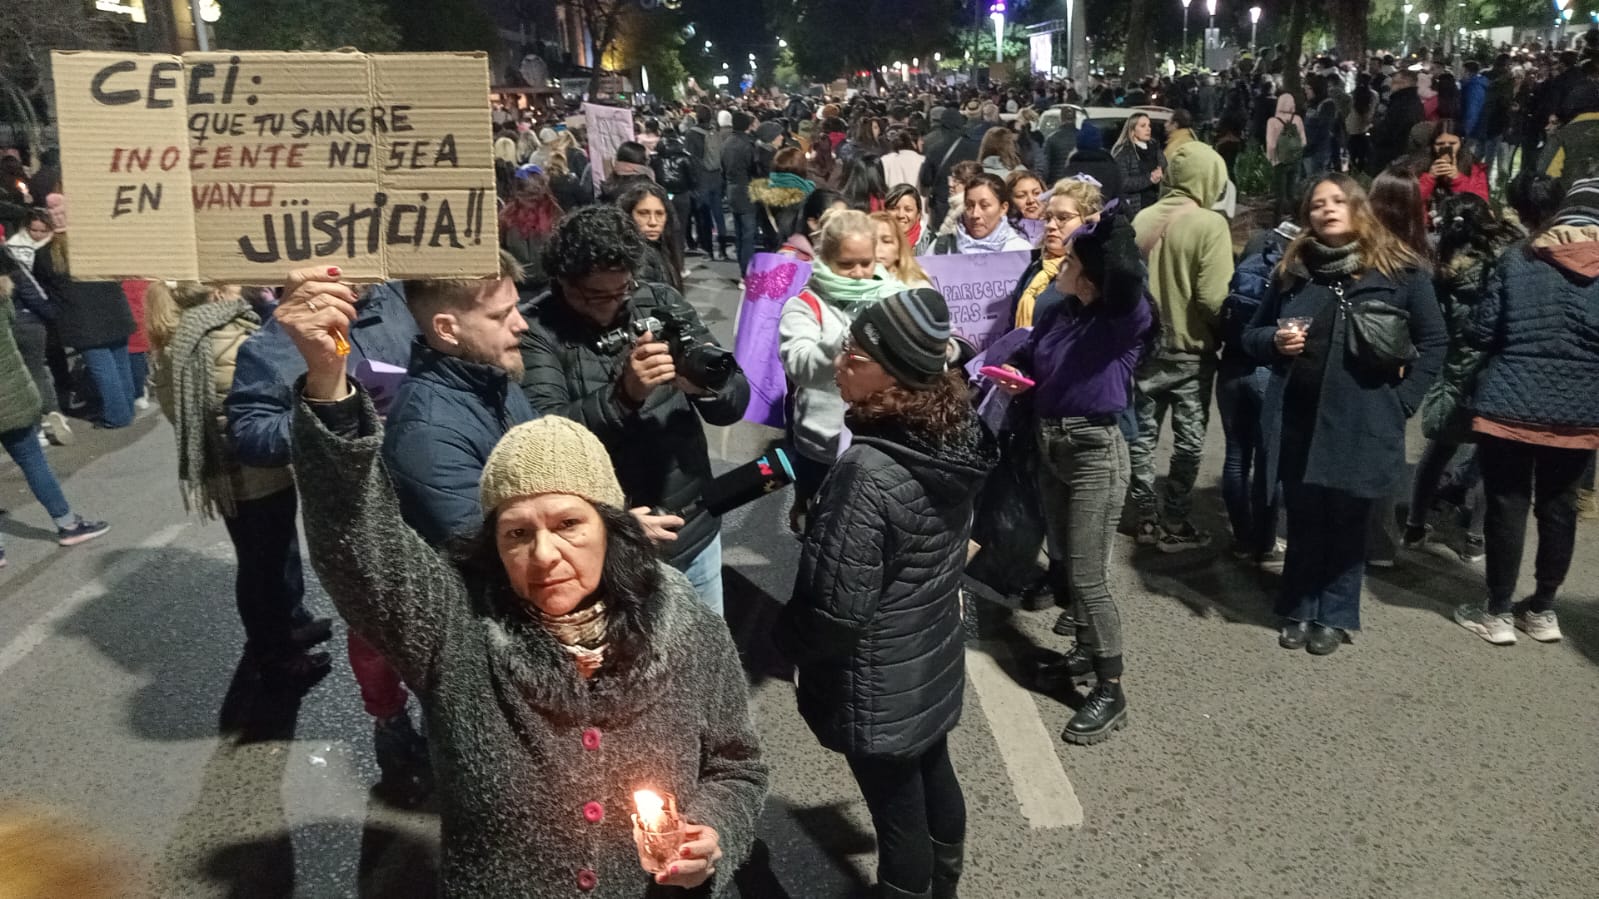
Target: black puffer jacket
93	314
659	450
875	623
675	170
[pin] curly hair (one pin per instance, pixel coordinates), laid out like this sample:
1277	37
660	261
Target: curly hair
594	239
940	411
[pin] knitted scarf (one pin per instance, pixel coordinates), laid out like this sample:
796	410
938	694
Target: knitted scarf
844	292
203	451
1332	262
581	633
993	243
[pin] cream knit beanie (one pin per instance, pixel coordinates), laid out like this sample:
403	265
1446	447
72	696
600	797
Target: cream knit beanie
549	455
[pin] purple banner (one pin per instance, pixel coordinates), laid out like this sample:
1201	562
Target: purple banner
770	282
1032	229
978	288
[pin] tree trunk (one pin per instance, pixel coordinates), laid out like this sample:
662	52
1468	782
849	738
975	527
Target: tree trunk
1298	10
1140	43
1349	19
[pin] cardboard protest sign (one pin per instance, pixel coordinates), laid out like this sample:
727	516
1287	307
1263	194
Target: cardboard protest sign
770	282
241	166
977	288
609	127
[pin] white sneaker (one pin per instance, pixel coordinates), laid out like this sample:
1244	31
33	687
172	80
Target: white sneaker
1496	629
1541	626
44	441
142	404
57	429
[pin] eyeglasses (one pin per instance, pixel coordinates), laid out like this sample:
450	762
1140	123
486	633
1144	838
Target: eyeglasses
1062	219
603	299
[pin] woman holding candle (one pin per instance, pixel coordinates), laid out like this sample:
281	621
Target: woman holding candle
875	622
1334	417
561	666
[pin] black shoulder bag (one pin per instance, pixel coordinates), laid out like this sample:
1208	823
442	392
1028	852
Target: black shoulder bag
1376	334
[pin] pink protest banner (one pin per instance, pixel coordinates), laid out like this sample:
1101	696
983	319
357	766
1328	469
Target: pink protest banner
977	288
770	282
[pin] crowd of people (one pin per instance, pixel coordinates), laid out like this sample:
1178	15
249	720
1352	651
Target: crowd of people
536	563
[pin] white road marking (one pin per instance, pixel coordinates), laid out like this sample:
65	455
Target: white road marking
34	635
1042	788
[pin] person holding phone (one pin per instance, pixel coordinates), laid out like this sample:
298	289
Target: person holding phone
1082	354
1453	168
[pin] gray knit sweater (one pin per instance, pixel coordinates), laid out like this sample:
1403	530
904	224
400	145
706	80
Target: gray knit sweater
535	766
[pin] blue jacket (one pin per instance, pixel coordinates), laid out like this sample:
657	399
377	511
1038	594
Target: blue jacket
446	418
1473	97
1539	324
1251	280
260	406
1357	443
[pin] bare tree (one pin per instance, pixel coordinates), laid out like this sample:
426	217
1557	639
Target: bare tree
603	18
1140	59
29	30
1349	19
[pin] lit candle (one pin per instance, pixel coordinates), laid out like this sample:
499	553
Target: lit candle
657	829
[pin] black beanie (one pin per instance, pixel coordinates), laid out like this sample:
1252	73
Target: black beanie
742	121
908	334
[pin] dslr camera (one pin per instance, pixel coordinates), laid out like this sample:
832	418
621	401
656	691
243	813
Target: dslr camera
705	365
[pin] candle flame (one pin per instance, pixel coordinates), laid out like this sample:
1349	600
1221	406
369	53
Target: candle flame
651	807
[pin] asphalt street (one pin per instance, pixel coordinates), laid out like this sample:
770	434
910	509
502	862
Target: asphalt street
1417	762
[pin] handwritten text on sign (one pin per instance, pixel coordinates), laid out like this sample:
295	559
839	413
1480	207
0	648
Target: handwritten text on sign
241	166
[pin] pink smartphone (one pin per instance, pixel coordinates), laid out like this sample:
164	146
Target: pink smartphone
1005	376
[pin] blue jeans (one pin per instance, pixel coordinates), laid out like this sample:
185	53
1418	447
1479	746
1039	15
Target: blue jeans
22	445
705	573
745	226
708	215
1326	560
1240	395
112	373
139	369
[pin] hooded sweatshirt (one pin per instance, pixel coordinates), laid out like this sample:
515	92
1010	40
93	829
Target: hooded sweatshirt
1189	251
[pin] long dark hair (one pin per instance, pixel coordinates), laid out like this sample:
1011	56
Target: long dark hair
1467	221
1380	247
670	245
816	206
629	582
1395	199
865	182
1464	161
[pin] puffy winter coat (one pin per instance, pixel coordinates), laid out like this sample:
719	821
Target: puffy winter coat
260	406
1539	324
675	170
536	766
874	624
19	397
445	420
1460	283
1058	149
659	450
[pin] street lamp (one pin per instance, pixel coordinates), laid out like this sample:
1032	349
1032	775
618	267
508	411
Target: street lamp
782	43
1404	29
1185	25
996	12
1254	22
1210	7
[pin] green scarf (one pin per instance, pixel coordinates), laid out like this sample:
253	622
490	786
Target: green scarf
792	182
844	292
1332	262
203	450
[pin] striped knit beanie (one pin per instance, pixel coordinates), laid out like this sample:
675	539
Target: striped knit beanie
549	455
908	334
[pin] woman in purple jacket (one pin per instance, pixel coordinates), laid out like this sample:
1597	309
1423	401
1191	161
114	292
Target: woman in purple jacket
1082	356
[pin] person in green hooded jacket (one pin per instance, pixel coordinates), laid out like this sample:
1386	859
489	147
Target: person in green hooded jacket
1188	248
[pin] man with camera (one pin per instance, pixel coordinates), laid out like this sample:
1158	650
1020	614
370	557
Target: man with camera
633	363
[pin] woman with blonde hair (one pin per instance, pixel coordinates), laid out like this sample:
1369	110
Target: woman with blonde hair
1336	405
1141	162
894	252
845	278
1072	202
195	334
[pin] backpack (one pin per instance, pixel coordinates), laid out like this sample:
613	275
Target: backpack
1251	280
711	161
1290	146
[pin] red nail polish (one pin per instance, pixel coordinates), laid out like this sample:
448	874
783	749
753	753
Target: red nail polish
672	870
686	852
333	270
